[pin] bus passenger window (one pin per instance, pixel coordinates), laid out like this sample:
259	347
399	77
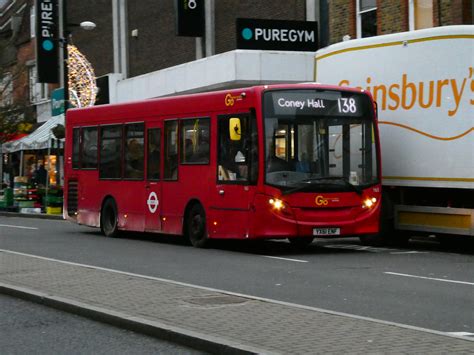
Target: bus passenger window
110	166
171	150
134	151
76	145
195	141
153	162
89	148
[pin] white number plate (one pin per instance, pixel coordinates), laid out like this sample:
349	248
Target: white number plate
326	231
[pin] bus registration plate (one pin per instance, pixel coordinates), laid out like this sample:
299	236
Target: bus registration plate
326	231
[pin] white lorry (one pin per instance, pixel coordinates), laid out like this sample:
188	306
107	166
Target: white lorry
423	83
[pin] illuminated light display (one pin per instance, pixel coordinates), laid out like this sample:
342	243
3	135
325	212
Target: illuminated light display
81	79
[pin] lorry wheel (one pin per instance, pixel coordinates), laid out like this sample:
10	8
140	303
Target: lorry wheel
109	219
196	230
301	242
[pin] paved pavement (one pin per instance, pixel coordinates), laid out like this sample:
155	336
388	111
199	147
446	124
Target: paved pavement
208	319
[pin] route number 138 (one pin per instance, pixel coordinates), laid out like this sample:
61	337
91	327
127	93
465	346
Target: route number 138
347	105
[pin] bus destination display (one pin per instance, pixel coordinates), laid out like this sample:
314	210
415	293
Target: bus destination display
310	103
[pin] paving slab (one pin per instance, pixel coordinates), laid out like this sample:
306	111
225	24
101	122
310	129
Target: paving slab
208	319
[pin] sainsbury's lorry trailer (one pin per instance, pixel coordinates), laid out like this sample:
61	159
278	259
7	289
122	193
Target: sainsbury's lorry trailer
423	83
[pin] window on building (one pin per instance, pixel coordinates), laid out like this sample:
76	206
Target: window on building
110	166
134	151
38	91
366	18
195	141
6	90
420	14
171	150
89	148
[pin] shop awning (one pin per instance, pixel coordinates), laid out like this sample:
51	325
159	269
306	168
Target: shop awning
39	139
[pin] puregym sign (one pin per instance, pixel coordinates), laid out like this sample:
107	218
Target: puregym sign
47	41
277	35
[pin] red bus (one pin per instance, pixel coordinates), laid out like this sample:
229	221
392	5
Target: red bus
293	161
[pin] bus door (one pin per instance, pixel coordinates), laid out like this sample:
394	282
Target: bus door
153	179
237	162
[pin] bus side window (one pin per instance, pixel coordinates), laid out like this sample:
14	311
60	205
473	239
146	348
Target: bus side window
171	151
134	151
153	161
110	165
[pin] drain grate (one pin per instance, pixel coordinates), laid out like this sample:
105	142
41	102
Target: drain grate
216	300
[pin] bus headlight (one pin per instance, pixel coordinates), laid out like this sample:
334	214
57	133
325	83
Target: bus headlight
369	202
280	207
277	204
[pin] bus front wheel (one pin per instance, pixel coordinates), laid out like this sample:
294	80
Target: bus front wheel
196	230
109	219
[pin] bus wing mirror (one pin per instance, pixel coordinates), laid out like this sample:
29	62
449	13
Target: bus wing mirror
234	129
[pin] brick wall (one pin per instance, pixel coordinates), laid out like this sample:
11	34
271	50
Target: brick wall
392	16
342	16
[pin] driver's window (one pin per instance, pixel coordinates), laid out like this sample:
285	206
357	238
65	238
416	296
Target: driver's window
237	159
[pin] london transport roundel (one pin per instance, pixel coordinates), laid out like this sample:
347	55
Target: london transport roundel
152	202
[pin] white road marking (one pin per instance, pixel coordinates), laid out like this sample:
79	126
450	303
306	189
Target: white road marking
430	278
287	259
256	298
410	252
20	227
359	248
460	334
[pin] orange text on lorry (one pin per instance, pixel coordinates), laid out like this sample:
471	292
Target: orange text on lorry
294	161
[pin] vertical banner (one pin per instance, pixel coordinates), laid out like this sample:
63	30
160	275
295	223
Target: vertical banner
47	41
190	18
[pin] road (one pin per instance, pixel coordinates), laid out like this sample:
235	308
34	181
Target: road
423	285
29	328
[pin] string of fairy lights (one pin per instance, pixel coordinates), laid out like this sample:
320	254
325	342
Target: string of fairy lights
81	79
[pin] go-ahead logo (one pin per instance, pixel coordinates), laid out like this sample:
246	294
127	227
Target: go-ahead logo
277	35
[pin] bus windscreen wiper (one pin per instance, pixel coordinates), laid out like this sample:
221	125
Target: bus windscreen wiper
325	181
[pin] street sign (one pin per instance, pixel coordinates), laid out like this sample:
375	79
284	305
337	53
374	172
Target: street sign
57	102
47	41
277	35
190	18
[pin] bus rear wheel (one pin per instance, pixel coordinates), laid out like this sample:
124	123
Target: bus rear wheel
301	242
109	219
196	230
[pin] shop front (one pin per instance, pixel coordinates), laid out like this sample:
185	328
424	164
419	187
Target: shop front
33	170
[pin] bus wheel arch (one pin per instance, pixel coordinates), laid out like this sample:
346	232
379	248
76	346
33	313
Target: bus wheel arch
109	217
195	225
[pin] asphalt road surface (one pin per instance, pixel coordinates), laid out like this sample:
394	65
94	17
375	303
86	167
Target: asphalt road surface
29	328
424	285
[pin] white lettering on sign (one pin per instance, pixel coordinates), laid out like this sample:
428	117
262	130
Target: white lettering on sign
284	35
152	202
310	103
46	18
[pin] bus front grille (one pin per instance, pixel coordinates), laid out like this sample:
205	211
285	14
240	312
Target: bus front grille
72	198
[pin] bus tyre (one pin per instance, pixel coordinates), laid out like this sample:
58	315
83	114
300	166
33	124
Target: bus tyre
301	242
196	230
109	219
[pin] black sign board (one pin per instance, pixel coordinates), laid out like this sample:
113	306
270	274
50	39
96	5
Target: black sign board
277	35
315	103
190	18
47	41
